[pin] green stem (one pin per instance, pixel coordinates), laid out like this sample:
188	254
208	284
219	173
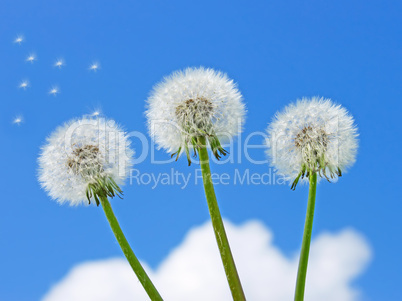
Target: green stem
217	223
305	249
128	252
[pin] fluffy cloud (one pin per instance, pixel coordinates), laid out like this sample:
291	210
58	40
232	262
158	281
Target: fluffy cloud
193	271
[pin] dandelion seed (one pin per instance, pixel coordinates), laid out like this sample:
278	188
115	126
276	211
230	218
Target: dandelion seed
54	90
312	135
96	112
85	159
59	63
94	67
31	58
193	103
24	84
19	39
18	120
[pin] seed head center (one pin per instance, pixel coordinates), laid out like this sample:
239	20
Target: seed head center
195	114
310	137
85	161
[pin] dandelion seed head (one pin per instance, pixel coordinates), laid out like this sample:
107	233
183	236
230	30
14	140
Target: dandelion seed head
79	154
192	103
312	135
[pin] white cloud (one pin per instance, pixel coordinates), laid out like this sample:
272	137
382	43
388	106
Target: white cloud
193	271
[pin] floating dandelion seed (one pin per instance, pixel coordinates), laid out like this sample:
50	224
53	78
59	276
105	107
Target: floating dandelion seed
19	39
94	67
96	112
24	84
31	58
54	90
59	63
18	120
312	135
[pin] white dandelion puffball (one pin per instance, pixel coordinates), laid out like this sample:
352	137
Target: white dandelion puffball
81	153
312	135
192	103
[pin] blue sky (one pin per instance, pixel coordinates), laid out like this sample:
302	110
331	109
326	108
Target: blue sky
277	51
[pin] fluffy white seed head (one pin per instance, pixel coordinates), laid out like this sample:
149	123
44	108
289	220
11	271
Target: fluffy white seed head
81	152
194	102
312	135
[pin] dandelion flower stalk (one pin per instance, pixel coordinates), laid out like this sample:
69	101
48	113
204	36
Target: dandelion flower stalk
310	140
305	249
128	252
217	223
87	160
191	111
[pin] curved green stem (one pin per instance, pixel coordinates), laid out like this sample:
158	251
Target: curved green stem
217	223
128	252
305	249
